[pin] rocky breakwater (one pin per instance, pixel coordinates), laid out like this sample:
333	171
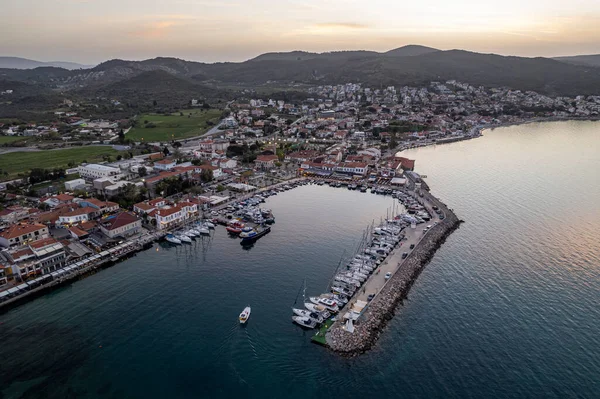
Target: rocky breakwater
381	309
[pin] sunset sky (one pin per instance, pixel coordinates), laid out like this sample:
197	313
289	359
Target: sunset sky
91	31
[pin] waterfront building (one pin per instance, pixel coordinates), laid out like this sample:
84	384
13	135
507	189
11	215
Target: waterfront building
77	215
123	224
167	217
266	161
21	233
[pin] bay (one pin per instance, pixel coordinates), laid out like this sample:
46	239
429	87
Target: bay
508	307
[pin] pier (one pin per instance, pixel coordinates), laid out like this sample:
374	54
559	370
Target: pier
388	294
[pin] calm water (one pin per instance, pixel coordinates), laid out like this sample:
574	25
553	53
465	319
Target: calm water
509	306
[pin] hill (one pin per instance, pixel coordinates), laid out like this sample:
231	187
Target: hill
586	60
410	51
24	63
172	82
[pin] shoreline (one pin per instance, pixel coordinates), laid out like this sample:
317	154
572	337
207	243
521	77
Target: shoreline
383	307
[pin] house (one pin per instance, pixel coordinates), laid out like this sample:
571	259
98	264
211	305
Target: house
142	208
49	254
165	164
57	200
77	215
102	207
406	164
266	161
227	163
21	233
120	225
167	217
13	214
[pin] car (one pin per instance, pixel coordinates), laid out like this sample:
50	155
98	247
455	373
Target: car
370	297
404	255
388	275
412	246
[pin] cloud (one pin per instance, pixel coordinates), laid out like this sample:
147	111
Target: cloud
340	25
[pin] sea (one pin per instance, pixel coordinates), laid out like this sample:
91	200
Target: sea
509	306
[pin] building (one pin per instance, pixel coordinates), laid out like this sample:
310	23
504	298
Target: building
95	171
266	161
102	207
74	184
165	164
21	233
167	217
77	215
355	168
121	225
49	255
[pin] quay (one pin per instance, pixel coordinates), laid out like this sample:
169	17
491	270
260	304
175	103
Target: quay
387	295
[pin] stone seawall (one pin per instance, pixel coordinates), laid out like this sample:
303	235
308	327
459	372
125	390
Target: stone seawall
382	308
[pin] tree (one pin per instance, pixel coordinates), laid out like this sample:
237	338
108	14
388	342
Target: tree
142	171
177	144
206	106
206	175
154	103
119	157
166	151
220	188
121	135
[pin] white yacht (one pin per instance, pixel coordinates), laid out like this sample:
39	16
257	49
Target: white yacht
304	321
204	230
307	313
245	315
172	239
329	304
184	238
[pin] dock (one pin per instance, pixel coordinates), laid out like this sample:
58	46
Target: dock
320	336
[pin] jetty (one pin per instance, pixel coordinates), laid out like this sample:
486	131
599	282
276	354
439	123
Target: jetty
379	298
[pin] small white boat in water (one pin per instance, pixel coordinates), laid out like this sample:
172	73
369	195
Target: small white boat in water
304	321
318	309
210	225
329	304
307	313
172	239
204	230
245	315
184	238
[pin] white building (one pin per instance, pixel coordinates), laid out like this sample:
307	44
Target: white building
73	184
95	171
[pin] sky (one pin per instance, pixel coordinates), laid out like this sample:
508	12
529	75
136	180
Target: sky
92	31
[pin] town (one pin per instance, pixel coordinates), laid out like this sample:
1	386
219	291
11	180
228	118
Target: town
52	217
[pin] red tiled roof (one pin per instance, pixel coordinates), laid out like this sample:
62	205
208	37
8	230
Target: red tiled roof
266	158
167	212
120	220
77	231
17	230
42	243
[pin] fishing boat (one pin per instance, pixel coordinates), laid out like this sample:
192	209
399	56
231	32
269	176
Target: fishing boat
255	235
304	321
245	315
172	239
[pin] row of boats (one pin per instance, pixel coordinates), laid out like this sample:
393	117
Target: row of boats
352	274
187	235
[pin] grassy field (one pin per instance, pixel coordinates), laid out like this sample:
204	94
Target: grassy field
22	162
11	139
174	126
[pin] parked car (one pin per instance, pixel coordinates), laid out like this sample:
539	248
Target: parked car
412	246
388	275
370	297
404	255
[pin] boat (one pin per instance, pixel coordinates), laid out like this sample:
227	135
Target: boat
210	225
172	239
255	236
318	309
329	304
204	230
184	238
234	227
192	232
304	321
307	313
245	315
247	232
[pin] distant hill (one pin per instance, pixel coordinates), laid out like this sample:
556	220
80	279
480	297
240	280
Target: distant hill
173	81
410	51
24	63
587	60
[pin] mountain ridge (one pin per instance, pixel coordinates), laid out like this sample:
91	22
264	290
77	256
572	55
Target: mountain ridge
25	63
